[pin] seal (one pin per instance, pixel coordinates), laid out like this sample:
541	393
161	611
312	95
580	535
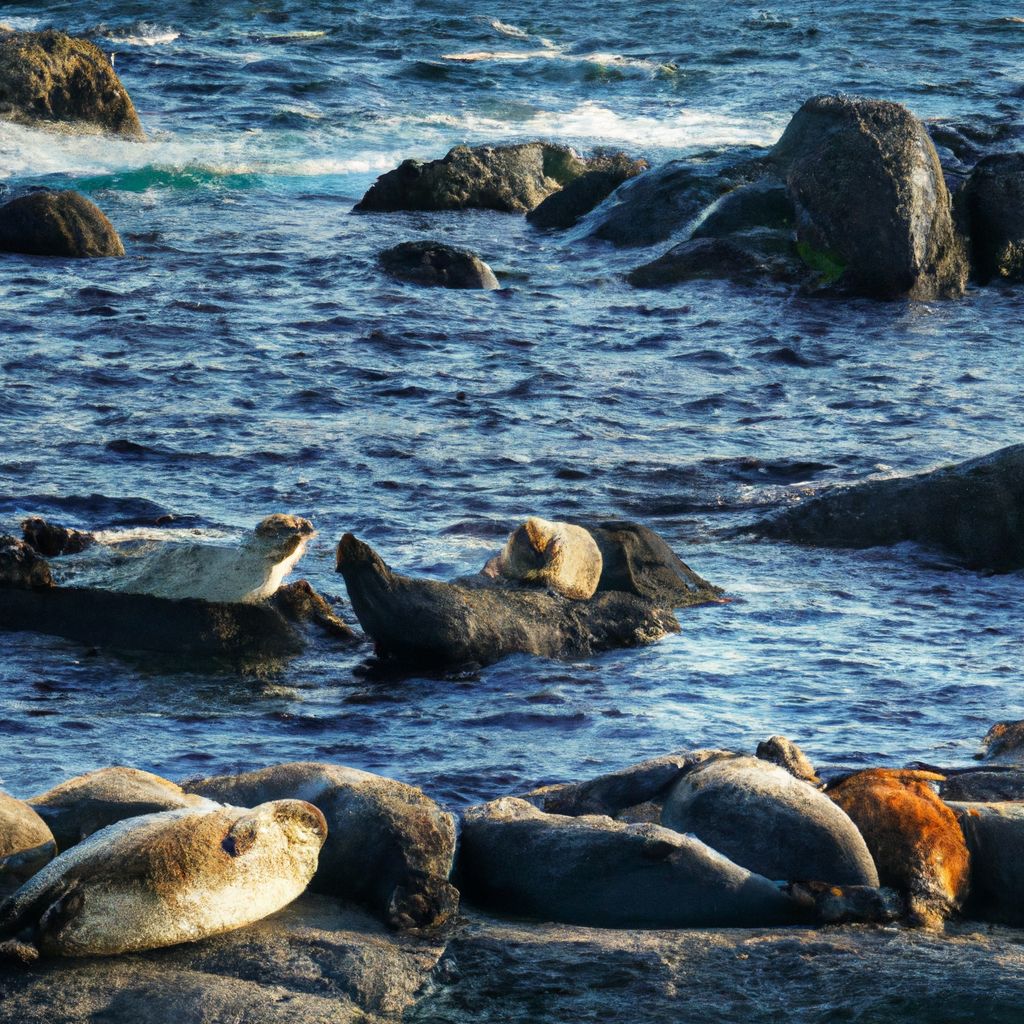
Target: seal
995	838
786	754
762	817
913	836
389	845
1003	744
561	556
76	809
592	870
26	844
246	573
166	878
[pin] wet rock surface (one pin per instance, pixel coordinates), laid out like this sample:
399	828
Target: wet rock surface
52	540
63	224
21	567
994	202
438	265
564	209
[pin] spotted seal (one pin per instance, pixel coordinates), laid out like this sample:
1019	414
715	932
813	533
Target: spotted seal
165	878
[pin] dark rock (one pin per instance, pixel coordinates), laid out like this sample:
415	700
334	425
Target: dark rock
593	870
26	844
51	540
762	204
849	904
873	213
971	510
437	264
763	818
510	179
728	259
1004	743
482	620
57	224
76	809
21	567
786	754
299	602
50	76
563	209
982	785
995	838
994	201
388	845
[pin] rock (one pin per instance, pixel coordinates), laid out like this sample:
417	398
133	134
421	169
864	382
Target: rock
981	786
913	837
510	179
995	837
481	620
761	204
849	904
593	870
51	540
63	224
21	567
187	628
50	76
712	259
971	510
76	809
873	213
994	200
646	782
166	878
26	844
299	602
771	823
563	209
1004	743
438	265
389	846
316	961
786	754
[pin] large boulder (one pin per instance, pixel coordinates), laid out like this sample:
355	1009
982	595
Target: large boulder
873	213
437	264
44	223
50	76
995	837
510	179
26	844
593	870
994	201
389	846
973	510
75	809
762	817
563	209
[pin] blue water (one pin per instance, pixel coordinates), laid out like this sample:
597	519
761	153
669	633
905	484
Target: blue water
247	357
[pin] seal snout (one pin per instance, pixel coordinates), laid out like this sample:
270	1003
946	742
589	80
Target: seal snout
280	525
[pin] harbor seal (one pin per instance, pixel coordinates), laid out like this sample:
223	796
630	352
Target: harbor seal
26	844
76	809
765	819
561	556
786	754
913	836
166	878
389	845
246	573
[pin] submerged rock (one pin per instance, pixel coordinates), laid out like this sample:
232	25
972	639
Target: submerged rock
563	209
76	809
44	223
593	870
51	76
971	510
994	202
714	259
764	819
509	179
437	265
26	844
51	540
873	213
388	845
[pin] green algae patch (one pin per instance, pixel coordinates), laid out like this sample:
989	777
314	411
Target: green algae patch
826	264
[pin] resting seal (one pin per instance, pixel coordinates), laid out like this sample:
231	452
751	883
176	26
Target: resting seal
26	844
562	556
166	878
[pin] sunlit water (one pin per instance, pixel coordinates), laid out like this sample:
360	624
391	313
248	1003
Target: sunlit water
247	357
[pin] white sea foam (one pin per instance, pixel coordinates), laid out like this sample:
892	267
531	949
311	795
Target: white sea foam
22	24
513	31
547	53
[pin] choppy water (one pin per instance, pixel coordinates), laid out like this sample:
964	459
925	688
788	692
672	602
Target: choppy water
247	357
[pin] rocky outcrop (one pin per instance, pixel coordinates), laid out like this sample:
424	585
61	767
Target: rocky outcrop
50	76
437	264
994	202
44	223
481	619
21	567
51	540
388	845
510	179
973	510
564	209
995	837
593	870
873	213
26	844
1004	743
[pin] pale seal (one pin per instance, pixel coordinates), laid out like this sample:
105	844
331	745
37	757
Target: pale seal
166	878
562	556
26	844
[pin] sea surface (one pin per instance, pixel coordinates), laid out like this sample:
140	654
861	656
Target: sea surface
247	357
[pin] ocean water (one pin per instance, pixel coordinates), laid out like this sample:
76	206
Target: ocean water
247	357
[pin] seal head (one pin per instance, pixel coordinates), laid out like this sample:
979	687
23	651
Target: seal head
561	556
